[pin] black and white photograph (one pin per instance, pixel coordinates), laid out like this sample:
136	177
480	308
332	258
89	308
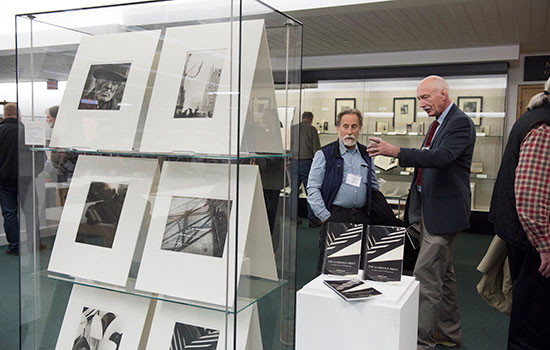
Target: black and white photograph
472	106
197	226
101	214
199	84
342	248
341	104
383	258
104	86
404	111
192	337
98	330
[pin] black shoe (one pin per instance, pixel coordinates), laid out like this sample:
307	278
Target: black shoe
315	223
12	252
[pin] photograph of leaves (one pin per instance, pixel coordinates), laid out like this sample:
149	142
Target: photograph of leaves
98	330
199	84
197	226
192	337
101	214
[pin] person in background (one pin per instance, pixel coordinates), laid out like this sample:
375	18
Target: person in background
439	198
341	178
51	114
520	210
16	177
302	157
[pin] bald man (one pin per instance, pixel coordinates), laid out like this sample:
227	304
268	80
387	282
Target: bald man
439	199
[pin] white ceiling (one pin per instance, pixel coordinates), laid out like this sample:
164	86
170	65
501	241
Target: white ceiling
394	26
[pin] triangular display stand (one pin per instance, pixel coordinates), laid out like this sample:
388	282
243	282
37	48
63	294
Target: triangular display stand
215	132
180	272
168	316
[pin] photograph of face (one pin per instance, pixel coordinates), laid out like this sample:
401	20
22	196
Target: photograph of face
197	226
404	109
470	107
98	330
199	84
192	337
101	214
104	86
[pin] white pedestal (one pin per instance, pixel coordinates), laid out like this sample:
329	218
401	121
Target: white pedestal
386	322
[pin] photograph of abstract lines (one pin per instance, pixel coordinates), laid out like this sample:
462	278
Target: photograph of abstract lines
199	84
192	337
384	253
197	226
342	248
101	214
98	330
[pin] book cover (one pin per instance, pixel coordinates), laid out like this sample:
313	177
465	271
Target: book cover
353	289
342	248
383	260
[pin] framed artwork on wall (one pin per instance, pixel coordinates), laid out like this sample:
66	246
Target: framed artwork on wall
472	106
341	103
404	111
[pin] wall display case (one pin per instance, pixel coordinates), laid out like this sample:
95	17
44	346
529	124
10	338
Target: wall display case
390	112
155	218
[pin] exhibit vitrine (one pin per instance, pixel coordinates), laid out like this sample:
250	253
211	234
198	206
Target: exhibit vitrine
391	111
155	217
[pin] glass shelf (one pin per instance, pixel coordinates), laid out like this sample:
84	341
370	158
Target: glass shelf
255	288
179	155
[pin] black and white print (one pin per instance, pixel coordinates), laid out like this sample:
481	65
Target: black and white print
104	87
101	214
342	248
384	253
192	337
199	84
99	330
352	289
197	226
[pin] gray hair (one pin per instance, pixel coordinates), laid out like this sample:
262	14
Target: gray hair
538	100
345	111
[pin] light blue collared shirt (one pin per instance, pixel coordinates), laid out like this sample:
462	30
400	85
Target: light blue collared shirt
441	118
348	196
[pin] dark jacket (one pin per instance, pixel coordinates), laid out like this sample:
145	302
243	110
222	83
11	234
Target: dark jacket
503	211
445	197
16	158
334	171
8	151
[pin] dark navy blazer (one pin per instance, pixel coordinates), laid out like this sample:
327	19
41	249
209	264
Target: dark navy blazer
445	195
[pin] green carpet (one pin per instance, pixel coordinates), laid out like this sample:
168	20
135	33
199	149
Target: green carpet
483	327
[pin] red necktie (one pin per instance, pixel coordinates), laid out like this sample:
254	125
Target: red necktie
434	126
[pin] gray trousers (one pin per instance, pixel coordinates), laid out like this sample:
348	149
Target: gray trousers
438	305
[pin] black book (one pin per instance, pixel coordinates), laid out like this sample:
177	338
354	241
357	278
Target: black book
342	249
352	289
383	257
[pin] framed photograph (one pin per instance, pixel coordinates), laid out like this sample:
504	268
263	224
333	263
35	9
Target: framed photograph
472	106
98	319
193	90
179	326
102	103
192	232
102	218
342	103
404	111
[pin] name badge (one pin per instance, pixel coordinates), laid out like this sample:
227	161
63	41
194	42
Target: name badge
353	180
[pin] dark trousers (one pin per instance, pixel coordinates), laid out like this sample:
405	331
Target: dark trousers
299	173
339	214
8	202
530	316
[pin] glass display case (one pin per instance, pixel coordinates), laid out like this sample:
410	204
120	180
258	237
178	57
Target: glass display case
391	111
153	211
